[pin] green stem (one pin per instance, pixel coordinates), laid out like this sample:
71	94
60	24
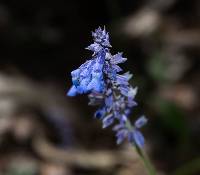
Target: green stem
149	167
146	160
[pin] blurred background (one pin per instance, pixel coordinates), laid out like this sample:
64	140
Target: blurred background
43	132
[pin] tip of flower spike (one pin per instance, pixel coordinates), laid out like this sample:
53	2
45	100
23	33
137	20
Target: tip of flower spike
100	36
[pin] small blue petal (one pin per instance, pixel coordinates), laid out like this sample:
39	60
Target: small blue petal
109	101
72	92
127	111
95	47
75	73
132	92
86	69
124	90
121	135
95	85
122	80
118	127
75	77
128	75
108	120
80	89
84	83
116	68
123	119
138	138
99	114
108	92
131	103
106	43
116	59
75	81
140	122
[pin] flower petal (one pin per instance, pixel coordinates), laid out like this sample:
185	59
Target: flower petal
99	114
72	91
116	59
140	122
108	120
139	139
121	135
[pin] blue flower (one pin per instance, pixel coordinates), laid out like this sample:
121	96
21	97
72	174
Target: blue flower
132	132
100	78
89	76
135	136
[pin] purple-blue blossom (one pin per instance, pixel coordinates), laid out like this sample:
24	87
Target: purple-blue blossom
100	77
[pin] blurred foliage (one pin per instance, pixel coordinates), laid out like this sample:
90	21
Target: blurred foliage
173	117
157	68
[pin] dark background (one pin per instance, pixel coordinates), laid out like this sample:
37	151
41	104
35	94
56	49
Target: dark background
41	42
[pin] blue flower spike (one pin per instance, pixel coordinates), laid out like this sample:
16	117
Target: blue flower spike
100	78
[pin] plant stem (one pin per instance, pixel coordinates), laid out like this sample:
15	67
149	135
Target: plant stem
149	167
147	162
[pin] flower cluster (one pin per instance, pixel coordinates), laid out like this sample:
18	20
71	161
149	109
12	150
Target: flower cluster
100	78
